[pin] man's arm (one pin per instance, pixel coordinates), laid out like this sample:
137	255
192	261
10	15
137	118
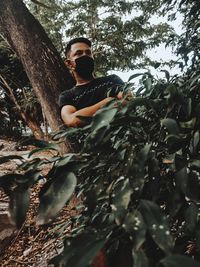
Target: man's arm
69	113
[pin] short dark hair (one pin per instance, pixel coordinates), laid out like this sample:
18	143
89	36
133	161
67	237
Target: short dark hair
76	40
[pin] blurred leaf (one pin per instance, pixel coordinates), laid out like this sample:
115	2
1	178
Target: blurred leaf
8	158
179	260
135	226
103	118
80	250
42	150
191	217
167	74
19	204
121	197
56	196
171	126
182	179
157	225
134	76
188	124
39	143
140	259
65	160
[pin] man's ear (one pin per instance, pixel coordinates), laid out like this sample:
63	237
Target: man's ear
67	62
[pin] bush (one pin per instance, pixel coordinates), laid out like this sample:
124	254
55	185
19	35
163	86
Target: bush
138	175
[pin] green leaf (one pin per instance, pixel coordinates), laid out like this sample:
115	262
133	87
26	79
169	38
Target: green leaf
135	226
40	143
157	225
179	260
140	101
140	259
148	83
80	250
171	126
7	158
191	217
65	160
55	197
121	198
167	74
41	150
134	76
188	124
182	179
103	118
18	206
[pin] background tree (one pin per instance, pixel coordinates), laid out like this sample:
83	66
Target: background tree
41	61
16	94
189	41
121	31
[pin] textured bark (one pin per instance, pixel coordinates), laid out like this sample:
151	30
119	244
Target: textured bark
42	63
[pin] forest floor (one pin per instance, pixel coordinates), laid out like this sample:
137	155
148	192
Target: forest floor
32	245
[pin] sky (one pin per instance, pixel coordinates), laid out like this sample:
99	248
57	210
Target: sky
160	53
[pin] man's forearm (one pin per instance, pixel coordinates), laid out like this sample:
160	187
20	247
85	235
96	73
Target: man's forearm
88	111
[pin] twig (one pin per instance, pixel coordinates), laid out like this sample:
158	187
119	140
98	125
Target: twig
19	232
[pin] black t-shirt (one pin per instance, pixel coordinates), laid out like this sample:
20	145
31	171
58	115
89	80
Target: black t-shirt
86	95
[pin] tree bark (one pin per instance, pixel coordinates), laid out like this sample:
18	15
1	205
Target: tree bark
42	63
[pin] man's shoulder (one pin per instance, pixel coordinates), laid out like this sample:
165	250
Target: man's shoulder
68	91
113	79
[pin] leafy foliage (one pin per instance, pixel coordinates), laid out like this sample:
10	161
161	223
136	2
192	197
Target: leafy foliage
120	31
138	178
21	99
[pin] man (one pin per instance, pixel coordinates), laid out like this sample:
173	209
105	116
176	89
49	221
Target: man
90	93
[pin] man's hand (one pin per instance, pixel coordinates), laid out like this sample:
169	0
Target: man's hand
128	95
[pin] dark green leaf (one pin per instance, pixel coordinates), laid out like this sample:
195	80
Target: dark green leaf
103	118
81	250
121	198
42	150
167	74
182	179
40	143
7	158
191	217
134	76
18	206
55	197
188	124
135	226
140	259
171	126
157	225
179	260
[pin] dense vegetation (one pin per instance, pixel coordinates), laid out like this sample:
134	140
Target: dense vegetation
136	173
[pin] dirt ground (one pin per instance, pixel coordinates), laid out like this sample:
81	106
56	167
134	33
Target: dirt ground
31	245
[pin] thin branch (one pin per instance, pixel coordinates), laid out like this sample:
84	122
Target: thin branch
39	3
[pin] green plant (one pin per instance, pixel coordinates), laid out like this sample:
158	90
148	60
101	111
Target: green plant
138	176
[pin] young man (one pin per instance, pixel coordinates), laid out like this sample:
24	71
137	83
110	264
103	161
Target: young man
90	93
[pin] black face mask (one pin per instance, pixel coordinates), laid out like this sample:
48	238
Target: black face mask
84	66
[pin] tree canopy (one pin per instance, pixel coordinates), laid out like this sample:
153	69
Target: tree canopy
120	31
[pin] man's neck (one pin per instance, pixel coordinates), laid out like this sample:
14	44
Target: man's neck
82	81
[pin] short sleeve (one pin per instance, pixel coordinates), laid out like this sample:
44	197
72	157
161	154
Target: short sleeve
65	98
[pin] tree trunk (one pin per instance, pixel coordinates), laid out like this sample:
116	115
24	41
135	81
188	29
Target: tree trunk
42	63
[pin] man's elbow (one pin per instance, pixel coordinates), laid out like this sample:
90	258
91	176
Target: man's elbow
71	122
